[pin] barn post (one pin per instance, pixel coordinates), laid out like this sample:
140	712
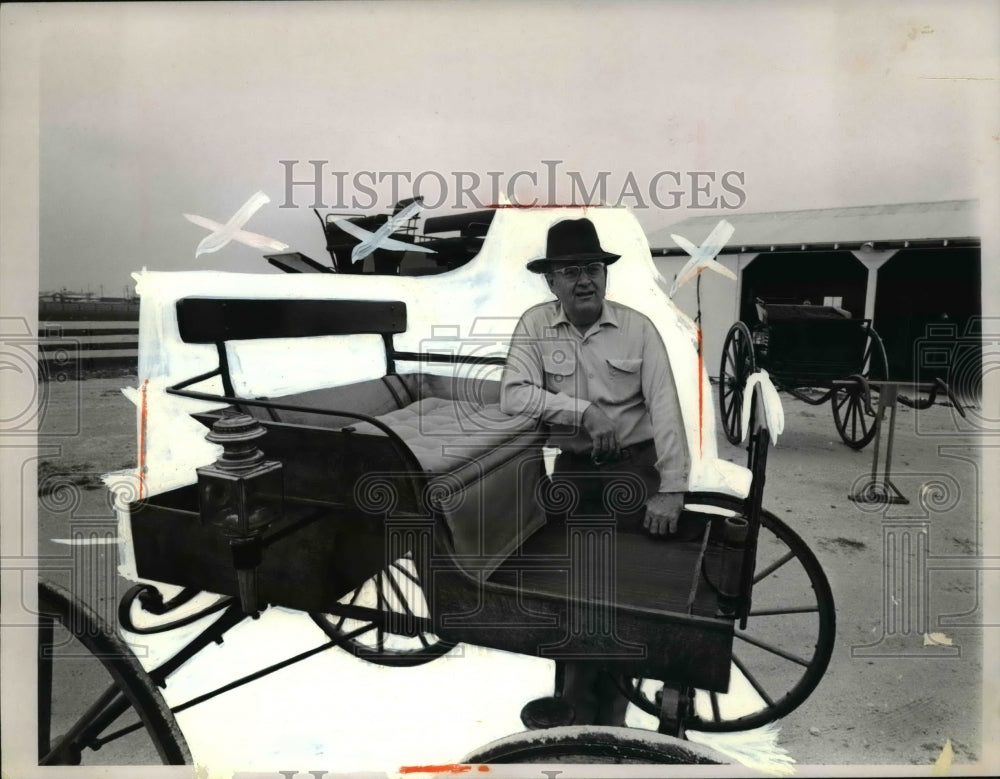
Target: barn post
743	259
872	260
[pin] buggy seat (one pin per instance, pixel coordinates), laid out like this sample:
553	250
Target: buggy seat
438	444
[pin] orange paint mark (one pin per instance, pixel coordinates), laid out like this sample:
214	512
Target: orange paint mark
701	396
584	206
142	440
449	768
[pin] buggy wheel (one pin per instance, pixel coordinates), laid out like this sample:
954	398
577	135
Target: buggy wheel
392	606
595	744
738	364
851	405
69	633
784	651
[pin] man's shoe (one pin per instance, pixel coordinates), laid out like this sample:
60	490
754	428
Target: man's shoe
548	712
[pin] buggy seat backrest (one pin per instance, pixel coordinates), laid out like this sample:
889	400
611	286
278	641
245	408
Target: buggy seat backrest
818	351
203	320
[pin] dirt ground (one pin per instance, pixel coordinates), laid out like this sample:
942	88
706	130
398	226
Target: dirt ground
892	695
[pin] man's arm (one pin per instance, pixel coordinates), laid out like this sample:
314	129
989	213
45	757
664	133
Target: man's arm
673	461
660	392
522	386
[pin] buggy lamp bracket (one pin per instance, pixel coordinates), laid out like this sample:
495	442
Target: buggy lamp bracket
241	493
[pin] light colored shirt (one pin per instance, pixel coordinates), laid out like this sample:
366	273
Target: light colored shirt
554	373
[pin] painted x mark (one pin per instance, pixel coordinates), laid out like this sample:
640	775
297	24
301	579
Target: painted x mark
233	229
380	238
703	257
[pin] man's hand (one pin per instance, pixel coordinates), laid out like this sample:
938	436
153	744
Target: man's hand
602	433
662	512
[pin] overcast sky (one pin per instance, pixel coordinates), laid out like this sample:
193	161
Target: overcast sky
148	112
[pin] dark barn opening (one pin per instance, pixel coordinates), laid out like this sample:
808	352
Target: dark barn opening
797	277
925	302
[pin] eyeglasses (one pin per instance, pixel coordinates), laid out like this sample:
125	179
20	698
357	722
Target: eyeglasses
572	272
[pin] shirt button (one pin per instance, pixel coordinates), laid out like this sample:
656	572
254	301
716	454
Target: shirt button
591	375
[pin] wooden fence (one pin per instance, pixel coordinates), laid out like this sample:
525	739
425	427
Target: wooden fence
80	338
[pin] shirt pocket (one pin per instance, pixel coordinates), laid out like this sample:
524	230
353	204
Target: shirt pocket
624	377
560	365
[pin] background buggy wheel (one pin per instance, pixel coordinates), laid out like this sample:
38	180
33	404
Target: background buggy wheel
70	633
398	613
787	644
738	364
594	744
850	404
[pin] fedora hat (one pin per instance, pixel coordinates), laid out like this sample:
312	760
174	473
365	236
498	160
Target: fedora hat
571	242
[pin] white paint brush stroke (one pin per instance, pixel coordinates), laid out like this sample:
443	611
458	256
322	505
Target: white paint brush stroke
380	238
703	257
233	229
774	412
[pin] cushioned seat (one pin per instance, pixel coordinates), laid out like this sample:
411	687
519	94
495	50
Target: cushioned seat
446	434
484	466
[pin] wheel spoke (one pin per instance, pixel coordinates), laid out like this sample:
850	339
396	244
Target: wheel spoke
774	650
408	574
782	687
790	555
383	606
131	686
399	636
354	598
863	416
788	610
404	602
85	723
753	680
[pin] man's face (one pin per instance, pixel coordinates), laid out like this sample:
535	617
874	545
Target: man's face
582	298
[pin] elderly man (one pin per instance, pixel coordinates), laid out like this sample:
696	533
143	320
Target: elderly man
597	373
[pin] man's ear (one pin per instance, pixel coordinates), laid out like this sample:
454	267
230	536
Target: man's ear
549	278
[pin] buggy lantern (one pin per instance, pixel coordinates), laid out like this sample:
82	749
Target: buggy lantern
241	494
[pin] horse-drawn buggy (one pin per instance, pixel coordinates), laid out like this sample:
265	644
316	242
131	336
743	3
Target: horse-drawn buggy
332	443
815	353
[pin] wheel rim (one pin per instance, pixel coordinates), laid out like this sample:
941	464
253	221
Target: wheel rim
786	647
397	639
130	687
594	744
850	412
737	365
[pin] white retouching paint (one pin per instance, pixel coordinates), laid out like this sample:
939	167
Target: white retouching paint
370	241
703	257
476	305
313	713
233	230
770	405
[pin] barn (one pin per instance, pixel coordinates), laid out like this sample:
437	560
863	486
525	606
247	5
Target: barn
912	268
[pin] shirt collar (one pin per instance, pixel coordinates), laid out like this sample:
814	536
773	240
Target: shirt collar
607	317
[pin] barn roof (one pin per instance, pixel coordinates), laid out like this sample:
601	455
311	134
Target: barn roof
885	226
